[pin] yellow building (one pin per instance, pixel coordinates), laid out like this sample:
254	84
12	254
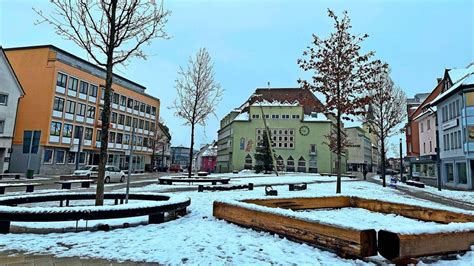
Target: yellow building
63	103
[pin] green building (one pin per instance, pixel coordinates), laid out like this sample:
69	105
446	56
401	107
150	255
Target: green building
297	127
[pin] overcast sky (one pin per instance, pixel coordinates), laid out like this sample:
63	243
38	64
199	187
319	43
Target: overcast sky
253	42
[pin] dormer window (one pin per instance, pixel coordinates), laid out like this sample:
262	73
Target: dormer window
446	85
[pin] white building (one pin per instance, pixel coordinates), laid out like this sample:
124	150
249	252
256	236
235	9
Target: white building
10	93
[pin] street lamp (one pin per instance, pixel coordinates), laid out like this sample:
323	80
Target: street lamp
402	177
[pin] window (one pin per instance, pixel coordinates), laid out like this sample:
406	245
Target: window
431	147
98	135
130	103
61	80
112	137
147	125
70	107
48	156
72	85
3	99
153	110
145	142
285	116
137	105
148	109
421	127
295	116
424	147
55	129
313	149
88	133
71	157
452	141
114	117
458	108
142	107
126	139
81	109
116	98
255	116
84	87
428	124
119	138
60	156
58	104
459	139
275	116
123	100
128	121
462	173
91	112
78	132
82	158
67	130
301	164
2	126
93	91
135	122
248	162
290	164
140	124
449	172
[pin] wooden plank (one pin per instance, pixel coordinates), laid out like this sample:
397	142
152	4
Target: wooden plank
304	203
344	241
411	211
394	246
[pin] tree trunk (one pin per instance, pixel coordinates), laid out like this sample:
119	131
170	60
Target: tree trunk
382	170
99	198
339	148
191	151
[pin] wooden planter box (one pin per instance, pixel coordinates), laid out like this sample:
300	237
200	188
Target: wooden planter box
347	241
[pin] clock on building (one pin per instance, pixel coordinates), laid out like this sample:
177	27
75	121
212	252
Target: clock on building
304	130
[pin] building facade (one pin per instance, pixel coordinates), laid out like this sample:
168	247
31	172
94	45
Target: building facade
411	128
162	147
297	128
455	117
180	156
206	158
10	93
424	167
62	108
359	150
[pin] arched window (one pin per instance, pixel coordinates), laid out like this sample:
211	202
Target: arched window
302	165
248	162
290	164
280	163
313	165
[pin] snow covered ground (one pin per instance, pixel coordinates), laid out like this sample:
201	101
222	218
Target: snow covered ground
460	195
199	238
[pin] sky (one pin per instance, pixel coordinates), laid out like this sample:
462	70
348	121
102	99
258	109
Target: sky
255	42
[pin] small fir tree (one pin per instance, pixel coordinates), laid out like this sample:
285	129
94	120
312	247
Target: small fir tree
263	155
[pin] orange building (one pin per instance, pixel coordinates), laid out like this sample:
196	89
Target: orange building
63	104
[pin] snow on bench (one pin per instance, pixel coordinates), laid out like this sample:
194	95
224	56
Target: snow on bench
201	188
30	187
66	184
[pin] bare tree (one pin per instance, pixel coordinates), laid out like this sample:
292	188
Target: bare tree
111	32
198	94
387	112
342	74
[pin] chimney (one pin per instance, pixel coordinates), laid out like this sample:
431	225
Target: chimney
438	80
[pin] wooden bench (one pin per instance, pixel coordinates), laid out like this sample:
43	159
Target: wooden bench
295	187
16	176
30	187
334	174
415	183
202	173
201	188
171	180
66	184
75	177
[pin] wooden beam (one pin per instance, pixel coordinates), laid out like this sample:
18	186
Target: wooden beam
344	241
412	211
304	203
395	246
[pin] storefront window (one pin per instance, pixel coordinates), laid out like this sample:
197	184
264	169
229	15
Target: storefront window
449	172
462	173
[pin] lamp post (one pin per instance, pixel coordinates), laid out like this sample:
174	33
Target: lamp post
402	177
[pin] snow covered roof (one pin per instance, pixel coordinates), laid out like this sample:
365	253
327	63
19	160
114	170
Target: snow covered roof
459	77
242	117
316	117
428	111
283	97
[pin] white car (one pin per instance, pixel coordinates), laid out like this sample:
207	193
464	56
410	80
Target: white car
112	173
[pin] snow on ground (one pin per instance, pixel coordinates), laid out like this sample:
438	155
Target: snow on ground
460	195
199	238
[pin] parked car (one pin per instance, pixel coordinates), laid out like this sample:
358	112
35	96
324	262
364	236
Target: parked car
112	173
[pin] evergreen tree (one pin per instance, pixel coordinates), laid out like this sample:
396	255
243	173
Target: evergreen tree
263	155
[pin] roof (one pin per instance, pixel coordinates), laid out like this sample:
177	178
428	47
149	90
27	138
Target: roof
22	91
460	78
55	48
284	96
